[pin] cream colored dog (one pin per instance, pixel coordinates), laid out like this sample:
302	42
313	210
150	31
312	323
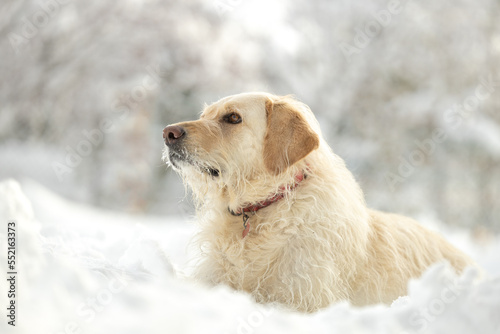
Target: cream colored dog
281	216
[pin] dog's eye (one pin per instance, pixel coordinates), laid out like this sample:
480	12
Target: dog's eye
232	118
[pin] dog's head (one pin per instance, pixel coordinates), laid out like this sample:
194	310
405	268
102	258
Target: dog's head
241	138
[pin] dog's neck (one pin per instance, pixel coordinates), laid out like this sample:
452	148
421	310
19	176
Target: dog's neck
275	197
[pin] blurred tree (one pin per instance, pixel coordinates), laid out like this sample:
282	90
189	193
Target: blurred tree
381	80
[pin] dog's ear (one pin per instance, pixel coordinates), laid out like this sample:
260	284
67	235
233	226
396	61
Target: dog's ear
288	139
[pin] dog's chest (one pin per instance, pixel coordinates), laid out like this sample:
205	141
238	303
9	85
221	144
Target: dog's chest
246	260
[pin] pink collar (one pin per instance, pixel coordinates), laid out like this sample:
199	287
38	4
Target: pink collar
252	208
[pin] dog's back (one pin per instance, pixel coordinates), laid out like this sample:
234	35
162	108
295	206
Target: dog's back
399	249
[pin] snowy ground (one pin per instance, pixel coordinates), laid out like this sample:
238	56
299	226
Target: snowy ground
83	270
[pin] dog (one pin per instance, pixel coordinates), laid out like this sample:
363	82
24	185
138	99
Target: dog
282	218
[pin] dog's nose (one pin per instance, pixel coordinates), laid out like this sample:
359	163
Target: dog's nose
172	133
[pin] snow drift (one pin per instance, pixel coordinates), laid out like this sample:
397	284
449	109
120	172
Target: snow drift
82	270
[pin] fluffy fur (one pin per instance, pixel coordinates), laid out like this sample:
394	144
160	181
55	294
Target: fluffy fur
318	245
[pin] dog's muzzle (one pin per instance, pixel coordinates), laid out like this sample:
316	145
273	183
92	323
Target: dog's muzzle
174	136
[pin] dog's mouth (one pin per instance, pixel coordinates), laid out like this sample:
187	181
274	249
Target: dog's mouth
177	159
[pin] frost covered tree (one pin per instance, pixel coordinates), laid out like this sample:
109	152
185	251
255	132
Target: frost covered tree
406	92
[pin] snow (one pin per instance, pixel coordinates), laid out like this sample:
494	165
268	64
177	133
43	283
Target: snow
86	270
90	63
